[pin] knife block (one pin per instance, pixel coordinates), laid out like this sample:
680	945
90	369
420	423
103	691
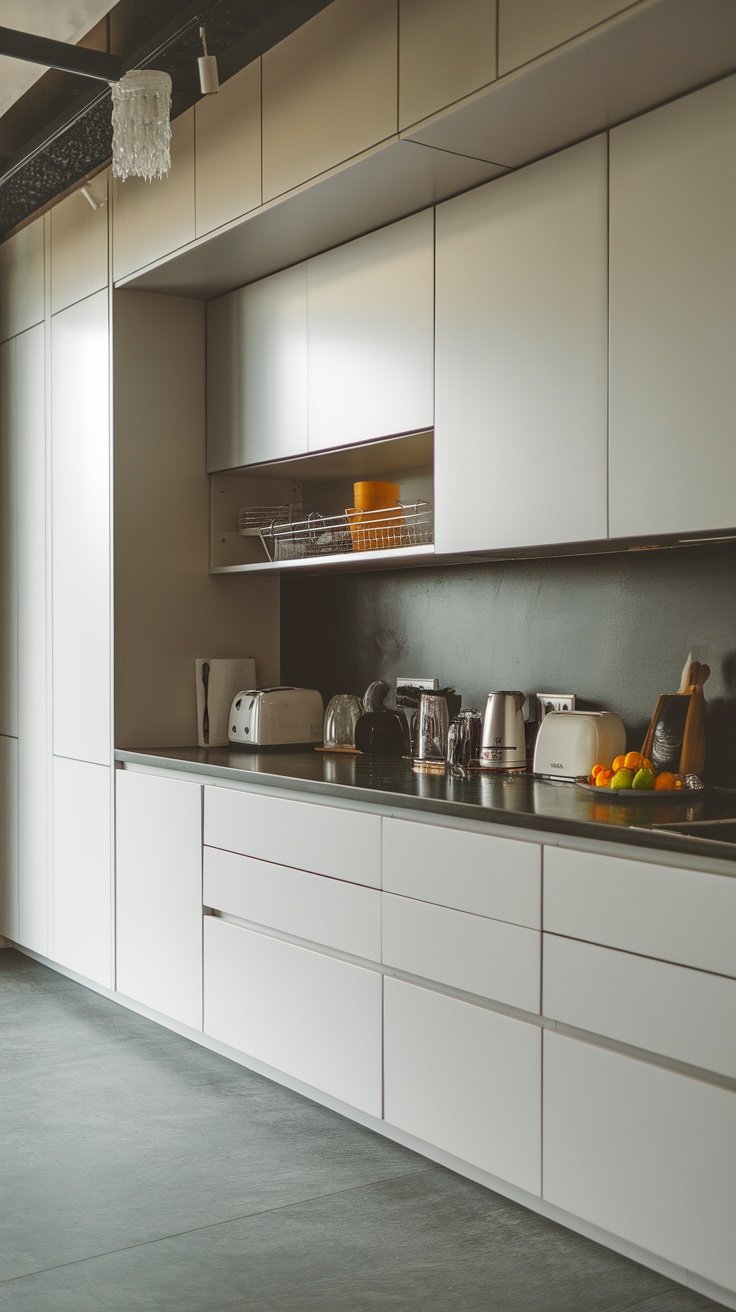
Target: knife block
675	738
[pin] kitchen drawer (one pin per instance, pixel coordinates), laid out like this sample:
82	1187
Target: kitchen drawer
315	1018
471	953
680	1013
642	1152
328	911
465	1080
499	877
684	916
324	839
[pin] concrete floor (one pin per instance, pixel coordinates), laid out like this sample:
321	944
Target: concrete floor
139	1171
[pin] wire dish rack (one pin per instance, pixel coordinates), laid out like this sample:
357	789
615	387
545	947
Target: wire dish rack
253	518
351	531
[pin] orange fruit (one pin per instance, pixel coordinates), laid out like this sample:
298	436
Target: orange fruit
633	760
646	763
597	769
603	778
618	763
665	780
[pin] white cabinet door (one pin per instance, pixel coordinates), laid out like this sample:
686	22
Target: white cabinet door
152	219
673	317
227	135
33	720
159	894
312	1016
79	244
464	1079
22	280
82	869
520	430
329	91
445	53
257	372
371	335
642	1152
9	837
8	543
80	460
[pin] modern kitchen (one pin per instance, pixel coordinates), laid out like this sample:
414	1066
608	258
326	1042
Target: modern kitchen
368	691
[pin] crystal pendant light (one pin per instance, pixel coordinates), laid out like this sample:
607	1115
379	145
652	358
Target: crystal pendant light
141	130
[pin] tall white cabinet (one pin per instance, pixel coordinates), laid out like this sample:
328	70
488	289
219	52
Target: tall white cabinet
521	337
673	317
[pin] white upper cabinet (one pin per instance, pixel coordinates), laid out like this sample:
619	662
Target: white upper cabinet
445	52
152	219
257	372
8	544
329	91
528	28
227	134
79	244
371	309
80	455
673	317
22	280
521	336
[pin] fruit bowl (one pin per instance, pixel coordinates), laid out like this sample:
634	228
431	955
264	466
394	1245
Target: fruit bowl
639	794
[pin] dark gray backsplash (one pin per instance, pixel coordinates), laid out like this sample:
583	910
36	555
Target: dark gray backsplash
615	629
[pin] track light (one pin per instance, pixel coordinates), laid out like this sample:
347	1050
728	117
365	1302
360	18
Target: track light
209	80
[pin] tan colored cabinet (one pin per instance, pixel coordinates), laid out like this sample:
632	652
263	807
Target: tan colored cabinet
329	91
673	317
22	280
227	136
152	219
79	244
528	28
446	51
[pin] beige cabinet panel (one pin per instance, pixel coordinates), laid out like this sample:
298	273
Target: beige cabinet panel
22	280
151	219
82	869
227	137
445	52
79	244
643	1153
8	543
521	357
673	317
329	91
464	1079
9	837
80	454
528	28
33	718
370	335
257	372
158	835
312	1016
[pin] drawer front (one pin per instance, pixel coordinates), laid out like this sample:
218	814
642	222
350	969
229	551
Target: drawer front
465	1080
487	957
490	876
324	839
684	916
680	1013
642	1152
328	911
317	1019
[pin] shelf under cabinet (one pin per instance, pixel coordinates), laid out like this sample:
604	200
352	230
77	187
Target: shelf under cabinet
362	559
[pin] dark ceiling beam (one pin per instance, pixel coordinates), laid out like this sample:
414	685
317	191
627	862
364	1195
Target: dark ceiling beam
59	54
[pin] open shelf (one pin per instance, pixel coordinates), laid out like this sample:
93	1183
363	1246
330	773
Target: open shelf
320	483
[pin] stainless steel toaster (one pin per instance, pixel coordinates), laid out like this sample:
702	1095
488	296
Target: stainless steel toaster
273	717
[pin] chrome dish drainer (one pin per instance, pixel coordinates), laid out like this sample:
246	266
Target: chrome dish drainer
351	531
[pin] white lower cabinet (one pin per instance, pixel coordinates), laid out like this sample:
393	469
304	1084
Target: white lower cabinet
82	876
312	1016
9	837
159	894
642	1152
464	1079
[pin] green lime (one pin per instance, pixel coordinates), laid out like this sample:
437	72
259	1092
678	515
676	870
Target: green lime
643	779
623	778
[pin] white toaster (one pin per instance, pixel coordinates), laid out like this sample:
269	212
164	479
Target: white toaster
274	717
569	743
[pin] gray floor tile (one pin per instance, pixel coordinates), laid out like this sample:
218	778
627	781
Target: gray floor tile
427	1243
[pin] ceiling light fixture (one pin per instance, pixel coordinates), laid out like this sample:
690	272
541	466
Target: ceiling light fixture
141	126
209	79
